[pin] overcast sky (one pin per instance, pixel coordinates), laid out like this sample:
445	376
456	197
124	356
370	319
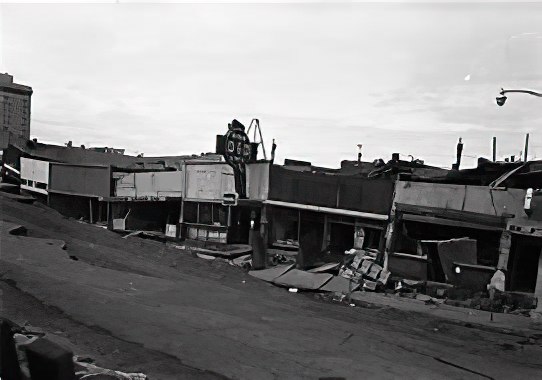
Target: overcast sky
164	79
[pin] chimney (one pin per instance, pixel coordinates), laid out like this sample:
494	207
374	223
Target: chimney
395	156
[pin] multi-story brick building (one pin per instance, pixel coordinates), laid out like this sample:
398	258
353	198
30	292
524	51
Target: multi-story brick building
14	111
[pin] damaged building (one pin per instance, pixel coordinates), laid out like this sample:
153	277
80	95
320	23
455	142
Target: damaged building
462	234
326	222
455	227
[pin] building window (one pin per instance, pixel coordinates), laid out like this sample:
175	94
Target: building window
191	212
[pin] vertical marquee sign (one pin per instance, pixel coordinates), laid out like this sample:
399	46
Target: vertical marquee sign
237	150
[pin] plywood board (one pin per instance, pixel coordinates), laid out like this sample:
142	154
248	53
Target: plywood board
340	284
271	273
303	280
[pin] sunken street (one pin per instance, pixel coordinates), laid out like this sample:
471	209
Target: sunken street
140	305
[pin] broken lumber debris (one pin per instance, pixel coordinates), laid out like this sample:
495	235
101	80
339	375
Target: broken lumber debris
325	268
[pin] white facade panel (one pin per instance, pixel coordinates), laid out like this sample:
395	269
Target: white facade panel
209	181
159	184
258	181
149	184
34	175
125	185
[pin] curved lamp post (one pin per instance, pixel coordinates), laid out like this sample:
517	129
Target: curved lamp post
502	99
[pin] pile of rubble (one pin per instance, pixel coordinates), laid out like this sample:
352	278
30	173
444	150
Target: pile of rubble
362	271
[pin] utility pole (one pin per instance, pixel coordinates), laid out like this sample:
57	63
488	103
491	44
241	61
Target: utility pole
526	147
494	149
458	155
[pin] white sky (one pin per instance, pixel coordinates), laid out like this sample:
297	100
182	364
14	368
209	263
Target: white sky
166	78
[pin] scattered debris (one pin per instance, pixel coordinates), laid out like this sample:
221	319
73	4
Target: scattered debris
244	262
364	271
370	285
205	257
131	234
338	297
276	259
497	281
85	370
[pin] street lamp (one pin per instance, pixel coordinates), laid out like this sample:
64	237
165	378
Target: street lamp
502	99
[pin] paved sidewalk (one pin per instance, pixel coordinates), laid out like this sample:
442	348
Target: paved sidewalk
516	323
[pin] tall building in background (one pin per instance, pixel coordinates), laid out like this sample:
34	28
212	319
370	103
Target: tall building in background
14	111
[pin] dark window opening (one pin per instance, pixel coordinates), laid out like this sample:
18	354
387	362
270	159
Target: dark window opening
221	215
372	238
285	225
205	213
191	212
523	263
341	237
410	233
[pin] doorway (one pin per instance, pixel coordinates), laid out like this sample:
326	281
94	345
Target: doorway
523	263
341	237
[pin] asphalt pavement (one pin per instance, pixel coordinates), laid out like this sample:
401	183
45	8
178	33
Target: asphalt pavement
212	319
